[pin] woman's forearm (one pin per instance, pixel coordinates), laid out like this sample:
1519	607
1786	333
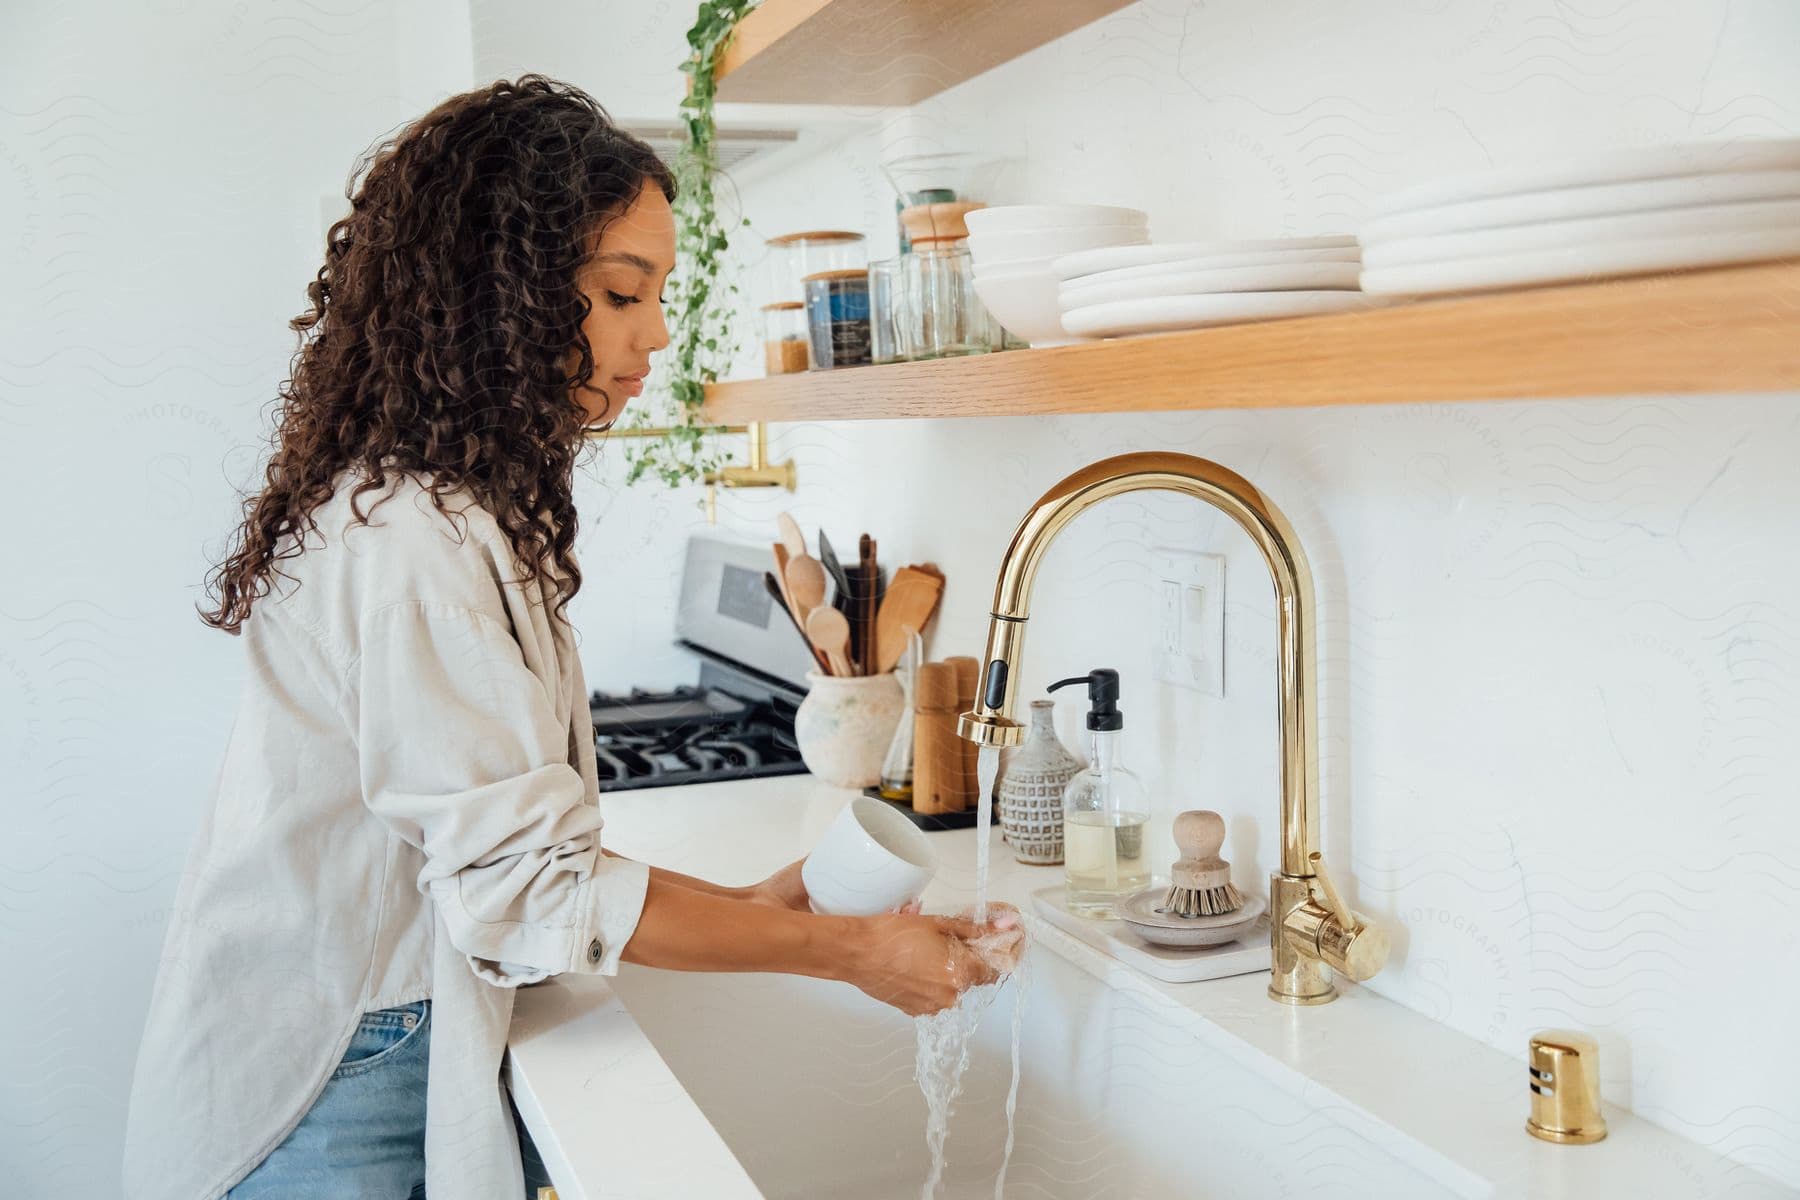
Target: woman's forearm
689	881
681	929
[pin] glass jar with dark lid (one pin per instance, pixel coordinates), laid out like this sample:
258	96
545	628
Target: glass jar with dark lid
837	318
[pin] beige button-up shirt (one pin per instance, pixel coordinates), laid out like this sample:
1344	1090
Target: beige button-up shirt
407	808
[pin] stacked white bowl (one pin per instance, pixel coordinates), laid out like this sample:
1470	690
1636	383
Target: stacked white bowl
1014	249
1620	212
1122	291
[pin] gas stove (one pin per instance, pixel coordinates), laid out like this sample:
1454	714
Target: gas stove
737	720
691	735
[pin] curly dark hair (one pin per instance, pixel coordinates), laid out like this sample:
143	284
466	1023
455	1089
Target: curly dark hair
442	326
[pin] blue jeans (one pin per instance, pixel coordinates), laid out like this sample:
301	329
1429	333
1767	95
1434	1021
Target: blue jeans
364	1137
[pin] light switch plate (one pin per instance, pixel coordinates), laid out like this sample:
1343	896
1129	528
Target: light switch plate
1188	594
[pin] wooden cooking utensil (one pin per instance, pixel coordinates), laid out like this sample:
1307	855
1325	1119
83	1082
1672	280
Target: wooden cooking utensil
830	632
781	562
791	537
876	589
775	591
806	584
865	613
910	599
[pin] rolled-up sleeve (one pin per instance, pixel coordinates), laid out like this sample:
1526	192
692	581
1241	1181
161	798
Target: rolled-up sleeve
462	755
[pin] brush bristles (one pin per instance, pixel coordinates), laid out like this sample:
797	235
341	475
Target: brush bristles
1202	902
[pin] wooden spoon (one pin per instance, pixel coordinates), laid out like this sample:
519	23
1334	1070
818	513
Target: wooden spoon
806	584
830	632
791	537
910	600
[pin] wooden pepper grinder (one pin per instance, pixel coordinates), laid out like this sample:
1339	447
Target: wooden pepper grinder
937	757
968	672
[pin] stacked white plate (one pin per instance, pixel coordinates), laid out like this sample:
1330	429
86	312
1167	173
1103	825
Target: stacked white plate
1125	290
1622	212
1014	246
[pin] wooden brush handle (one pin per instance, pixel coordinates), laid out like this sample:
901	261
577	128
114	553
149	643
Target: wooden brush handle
1199	833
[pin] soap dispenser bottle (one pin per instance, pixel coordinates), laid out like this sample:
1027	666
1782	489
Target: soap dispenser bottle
1105	809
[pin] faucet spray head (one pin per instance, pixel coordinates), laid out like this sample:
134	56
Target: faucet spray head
988	729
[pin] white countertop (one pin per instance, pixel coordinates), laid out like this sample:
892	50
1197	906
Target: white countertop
1428	1094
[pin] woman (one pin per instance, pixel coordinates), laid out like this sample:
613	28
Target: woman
406	826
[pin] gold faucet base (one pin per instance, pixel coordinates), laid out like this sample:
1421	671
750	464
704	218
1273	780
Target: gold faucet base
1325	997
1566	1137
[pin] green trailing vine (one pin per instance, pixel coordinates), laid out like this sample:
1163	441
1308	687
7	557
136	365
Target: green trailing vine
704	312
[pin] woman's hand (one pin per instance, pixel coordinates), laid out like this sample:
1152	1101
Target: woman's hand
785	889
920	964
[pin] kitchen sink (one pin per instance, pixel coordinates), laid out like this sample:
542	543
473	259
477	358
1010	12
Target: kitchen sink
810	1083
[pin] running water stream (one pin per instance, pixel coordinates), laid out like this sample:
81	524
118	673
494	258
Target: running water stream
943	1037
987	765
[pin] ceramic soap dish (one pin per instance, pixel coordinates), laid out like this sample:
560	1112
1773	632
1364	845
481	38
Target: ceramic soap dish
1198	927
1245	954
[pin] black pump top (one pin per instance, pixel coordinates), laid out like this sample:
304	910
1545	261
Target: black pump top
1103	698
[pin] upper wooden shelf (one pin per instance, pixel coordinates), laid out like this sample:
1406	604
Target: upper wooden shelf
1734	329
879	52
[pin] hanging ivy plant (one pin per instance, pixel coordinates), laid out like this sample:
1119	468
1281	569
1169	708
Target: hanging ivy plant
704	312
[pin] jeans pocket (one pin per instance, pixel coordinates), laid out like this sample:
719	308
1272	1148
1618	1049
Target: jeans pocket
382	1034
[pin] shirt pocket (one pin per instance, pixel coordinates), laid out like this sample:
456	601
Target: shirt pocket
380	1035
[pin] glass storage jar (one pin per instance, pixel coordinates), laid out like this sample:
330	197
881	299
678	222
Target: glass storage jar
837	318
784	337
939	314
794	256
884	296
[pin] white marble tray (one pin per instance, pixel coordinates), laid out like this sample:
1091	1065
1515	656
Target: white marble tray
1245	956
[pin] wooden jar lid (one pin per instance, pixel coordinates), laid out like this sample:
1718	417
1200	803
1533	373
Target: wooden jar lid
844	273
815	235
940	221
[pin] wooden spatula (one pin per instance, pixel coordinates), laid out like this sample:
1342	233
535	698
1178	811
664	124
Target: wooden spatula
911	598
780	598
781	562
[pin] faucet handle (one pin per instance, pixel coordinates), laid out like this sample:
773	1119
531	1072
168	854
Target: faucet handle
1352	947
1346	919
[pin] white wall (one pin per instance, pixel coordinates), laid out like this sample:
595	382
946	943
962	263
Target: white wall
1559	638
162	168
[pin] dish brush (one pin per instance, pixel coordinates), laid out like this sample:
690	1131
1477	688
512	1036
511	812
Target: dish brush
1201	884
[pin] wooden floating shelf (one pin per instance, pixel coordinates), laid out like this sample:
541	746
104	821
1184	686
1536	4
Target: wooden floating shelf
884	52
1730	329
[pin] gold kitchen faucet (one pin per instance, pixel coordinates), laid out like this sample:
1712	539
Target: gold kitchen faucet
1311	928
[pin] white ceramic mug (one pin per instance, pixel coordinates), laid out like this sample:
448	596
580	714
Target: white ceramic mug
871	860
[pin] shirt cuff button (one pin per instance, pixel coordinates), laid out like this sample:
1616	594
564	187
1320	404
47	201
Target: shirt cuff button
594	950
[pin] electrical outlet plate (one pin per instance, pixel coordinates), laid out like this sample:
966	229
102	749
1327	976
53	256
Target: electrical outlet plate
1188	597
